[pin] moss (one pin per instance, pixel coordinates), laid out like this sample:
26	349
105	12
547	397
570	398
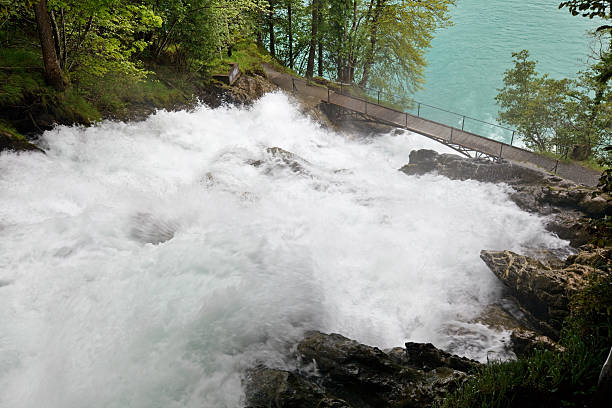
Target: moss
10	139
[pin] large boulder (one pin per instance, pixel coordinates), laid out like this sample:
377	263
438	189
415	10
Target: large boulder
463	168
525	342
543	292
267	387
335	371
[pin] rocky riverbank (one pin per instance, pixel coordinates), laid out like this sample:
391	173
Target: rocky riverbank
334	371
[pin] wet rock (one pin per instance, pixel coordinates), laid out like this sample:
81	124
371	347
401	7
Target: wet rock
542	292
11	142
335	371
428	357
459	168
365	376
266	387
505	315
525	342
278	158
548	257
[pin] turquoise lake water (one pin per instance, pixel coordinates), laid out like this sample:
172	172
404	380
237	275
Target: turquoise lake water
467	61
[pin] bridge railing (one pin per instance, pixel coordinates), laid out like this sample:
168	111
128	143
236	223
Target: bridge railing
420	109
364	100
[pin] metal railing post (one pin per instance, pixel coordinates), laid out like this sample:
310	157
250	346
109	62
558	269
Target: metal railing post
406	120
327	95
463	123
419	110
293	88
501	148
379	97
512	140
451	139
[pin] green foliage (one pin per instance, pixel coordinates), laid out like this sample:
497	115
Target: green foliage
7	128
554	115
549	378
194	32
405	30
589	8
20	77
248	56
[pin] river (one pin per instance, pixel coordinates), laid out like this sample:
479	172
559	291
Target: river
148	264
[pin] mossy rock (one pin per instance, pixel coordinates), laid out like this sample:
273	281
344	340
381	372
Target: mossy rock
10	140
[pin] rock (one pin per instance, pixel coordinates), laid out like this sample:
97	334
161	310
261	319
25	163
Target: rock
459	168
334	371
266	387
505	315
600	258
9	141
596	207
427	357
524	342
570	225
365	376
278	158
542	292
548	257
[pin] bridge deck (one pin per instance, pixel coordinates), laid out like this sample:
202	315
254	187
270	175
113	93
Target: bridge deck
456	138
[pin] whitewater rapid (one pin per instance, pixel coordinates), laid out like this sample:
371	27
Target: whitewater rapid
254	253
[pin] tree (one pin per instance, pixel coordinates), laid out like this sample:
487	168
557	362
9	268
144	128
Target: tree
53	73
601	9
589	8
313	38
567	116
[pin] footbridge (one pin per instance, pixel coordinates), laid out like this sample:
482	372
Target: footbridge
467	143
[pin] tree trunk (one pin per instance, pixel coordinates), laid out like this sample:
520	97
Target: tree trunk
64	50
320	49
56	37
271	29
53	72
313	39
369	60
290	35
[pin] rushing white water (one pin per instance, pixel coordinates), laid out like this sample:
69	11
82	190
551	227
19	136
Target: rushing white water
94	315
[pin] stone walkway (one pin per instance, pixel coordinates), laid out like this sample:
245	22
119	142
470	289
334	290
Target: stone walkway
456	138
